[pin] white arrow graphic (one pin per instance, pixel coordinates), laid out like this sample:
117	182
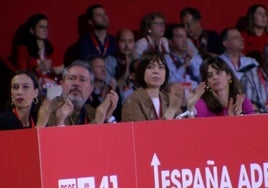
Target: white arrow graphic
155	163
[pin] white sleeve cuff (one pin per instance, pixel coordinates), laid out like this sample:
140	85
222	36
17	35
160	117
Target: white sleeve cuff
111	120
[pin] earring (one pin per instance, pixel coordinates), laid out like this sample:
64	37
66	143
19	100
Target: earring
149	31
11	102
208	88
35	100
230	81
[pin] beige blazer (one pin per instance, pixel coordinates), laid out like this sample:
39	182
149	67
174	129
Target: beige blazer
139	106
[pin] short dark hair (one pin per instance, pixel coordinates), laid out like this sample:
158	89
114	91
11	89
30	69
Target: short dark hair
92	58
90	10
192	11
169	33
147	20
224	34
147	57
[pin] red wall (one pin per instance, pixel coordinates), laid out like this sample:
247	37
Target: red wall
63	16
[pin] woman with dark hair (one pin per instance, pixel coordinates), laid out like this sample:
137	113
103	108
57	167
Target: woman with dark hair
256	34
35	52
223	95
25	110
149	102
152	27
25	101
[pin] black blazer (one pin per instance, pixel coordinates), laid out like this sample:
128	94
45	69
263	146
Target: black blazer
9	121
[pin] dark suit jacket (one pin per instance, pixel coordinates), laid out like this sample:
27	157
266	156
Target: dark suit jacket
9	121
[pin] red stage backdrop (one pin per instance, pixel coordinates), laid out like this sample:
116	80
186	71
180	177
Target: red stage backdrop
63	16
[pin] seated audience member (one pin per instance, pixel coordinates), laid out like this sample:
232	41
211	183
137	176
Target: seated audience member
255	83
25	101
223	95
129	86
256	33
183	64
206	41
233	44
77	85
117	66
100	87
98	41
36	53
149	101
152	27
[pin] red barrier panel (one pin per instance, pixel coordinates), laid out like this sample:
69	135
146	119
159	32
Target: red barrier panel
204	152
19	159
215	152
102	155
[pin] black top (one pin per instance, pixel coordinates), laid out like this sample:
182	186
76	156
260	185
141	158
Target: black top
209	41
9	121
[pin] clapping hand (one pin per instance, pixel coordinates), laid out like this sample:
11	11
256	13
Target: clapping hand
63	111
235	109
43	113
195	95
176	96
105	110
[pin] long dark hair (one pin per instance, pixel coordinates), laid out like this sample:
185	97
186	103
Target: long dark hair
250	18
30	39
235	87
35	105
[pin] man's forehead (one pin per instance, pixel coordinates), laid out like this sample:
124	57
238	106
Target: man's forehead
126	34
179	30
99	10
188	16
78	71
97	61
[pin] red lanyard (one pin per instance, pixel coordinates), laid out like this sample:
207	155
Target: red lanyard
263	82
160	110
32	124
162	50
97	45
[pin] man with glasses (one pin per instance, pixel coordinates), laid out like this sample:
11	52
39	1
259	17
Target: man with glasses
206	41
77	86
233	45
152	27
